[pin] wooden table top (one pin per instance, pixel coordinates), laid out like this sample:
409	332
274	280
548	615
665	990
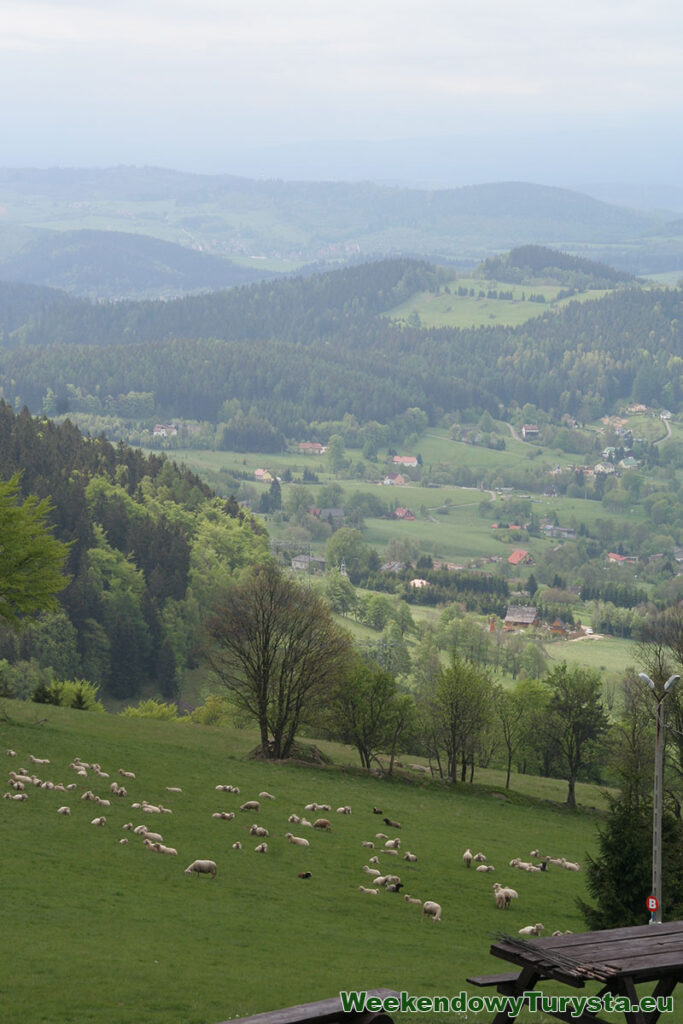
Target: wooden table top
643	953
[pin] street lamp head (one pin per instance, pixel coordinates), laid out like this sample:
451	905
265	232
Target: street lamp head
671	681
647	680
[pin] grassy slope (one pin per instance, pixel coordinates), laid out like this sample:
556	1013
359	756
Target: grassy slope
109	933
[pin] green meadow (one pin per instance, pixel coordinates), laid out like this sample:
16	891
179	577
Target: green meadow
103	933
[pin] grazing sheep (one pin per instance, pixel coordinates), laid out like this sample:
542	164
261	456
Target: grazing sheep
39	760
305	874
99	821
173	789
261	848
413	899
392	880
224	815
64	810
266	796
506	893
480	858
305	822
371	871
393	844
297	840
293	819
484	868
170	850
392	853
117	790
88	795
394	886
373	860
311	807
165	810
251	805
534	853
326	807
368	845
376	810
500	900
391	824
154	837
344	810
368	892
123	842
531	929
150	808
431	909
380	835
467	858
15	796
101	802
201	867
11	753
570	865
140	830
126	775
380	880
410	857
259	830
18	786
322	824
237	845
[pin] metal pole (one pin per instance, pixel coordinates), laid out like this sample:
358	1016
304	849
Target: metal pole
657	815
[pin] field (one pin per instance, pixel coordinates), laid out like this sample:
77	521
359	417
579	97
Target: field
448	309
110	934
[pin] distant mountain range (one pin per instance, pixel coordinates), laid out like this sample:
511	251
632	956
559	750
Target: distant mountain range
134	232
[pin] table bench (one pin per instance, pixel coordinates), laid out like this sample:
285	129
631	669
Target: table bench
325	1011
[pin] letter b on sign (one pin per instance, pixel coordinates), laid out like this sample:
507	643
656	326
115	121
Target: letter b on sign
652	903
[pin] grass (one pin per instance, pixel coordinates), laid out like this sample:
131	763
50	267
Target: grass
110	934
608	654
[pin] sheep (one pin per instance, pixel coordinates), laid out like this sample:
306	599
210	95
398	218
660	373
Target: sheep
237	845
88	795
392	879
326	807
371	871
266	796
322	824
391	824
173	789
251	805
368	892
126	775
155	837
431	909
413	899
393	844
165	810
15	796
392	853
506	893
224	789
99	821
480	858
394	886
380	880
411	857
258	830
569	865
39	760
311	807
373	860
380	835
376	810
201	867
123	842
170	850
296	840
150	808
500	900
261	848
11	753
305	874
128	827
368	845
535	869
467	858
484	868
224	815
140	830
18	786
293	819
344	810
306	823
64	810
72	785
102	803
117	790
534	853
531	929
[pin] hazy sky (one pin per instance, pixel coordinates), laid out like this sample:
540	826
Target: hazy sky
205	84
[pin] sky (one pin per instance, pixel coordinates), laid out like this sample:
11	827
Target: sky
439	90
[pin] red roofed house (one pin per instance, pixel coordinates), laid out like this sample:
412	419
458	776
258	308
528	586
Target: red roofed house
311	448
403	513
622	559
404	460
520	557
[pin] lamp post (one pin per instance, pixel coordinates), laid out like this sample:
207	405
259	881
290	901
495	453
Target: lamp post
657	795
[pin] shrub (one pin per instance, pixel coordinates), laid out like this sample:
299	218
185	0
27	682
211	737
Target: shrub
152	709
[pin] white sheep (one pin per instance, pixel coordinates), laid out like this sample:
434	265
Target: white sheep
251	805
11	753
480	858
224	815
368	892
293	819
411	857
393	844
570	865
392	853
531	929
431	909
123	842
39	760
413	899
64	810
368	845
266	796
201	867
311	807
344	810
128	827
237	845
373	860
170	850
15	796
297	840
380	835
485	868
371	871
126	775
155	837
99	821
258	830
261	848
467	858
306	823
173	789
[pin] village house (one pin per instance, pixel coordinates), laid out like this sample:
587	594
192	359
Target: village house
308	563
621	559
263	475
164	430
520	557
529	431
403	513
405	460
311	448
419	584
394	480
519	615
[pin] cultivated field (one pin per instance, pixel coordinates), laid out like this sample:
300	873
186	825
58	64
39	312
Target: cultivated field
99	933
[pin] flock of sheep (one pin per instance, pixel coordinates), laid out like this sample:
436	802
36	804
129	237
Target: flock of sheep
21	781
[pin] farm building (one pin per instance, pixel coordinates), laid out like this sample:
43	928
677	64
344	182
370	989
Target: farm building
520	615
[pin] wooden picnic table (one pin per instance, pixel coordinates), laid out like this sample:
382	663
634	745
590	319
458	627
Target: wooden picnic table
620	958
324	1011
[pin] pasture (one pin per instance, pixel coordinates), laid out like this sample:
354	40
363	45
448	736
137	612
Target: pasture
99	933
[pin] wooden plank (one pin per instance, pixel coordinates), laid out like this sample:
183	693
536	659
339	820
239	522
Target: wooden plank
494	979
324	1011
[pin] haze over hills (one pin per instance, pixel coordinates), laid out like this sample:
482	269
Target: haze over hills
223	216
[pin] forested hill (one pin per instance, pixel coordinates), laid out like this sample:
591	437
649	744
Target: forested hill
304	350
150	545
538	262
